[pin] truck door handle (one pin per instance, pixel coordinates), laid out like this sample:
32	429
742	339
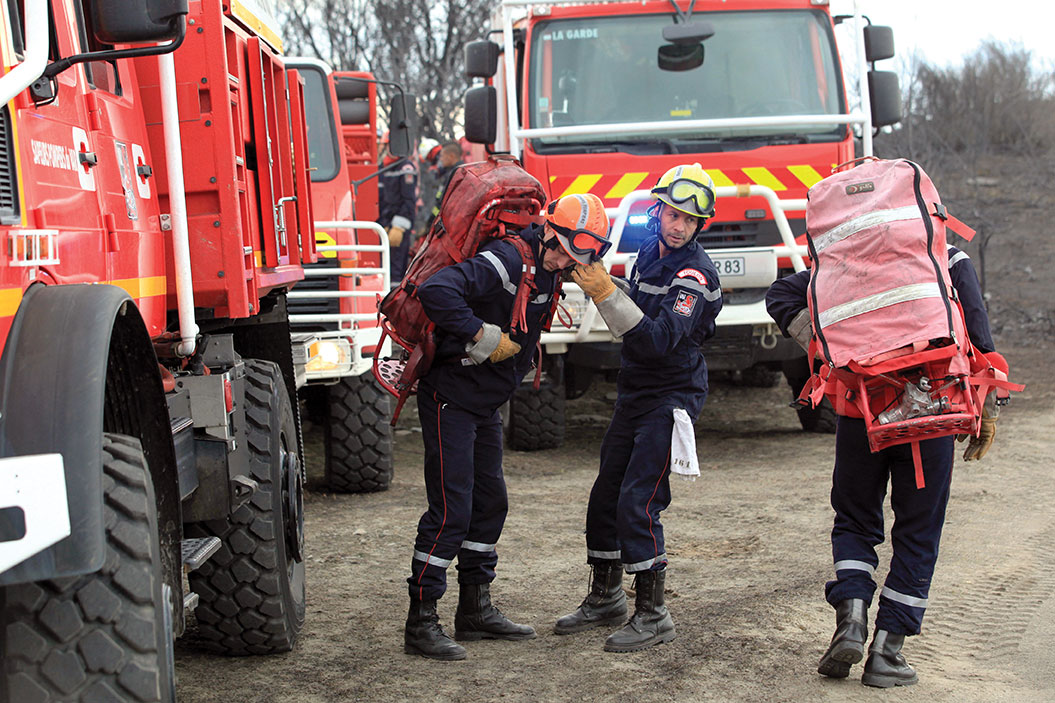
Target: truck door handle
88	158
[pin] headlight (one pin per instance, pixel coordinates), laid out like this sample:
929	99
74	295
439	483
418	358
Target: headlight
329	357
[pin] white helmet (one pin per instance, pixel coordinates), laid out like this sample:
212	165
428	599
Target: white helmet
426	147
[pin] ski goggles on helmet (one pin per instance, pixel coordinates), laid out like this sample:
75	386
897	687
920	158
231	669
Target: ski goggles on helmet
682	190
581	244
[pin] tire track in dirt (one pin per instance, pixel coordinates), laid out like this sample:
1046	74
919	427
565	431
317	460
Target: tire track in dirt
986	618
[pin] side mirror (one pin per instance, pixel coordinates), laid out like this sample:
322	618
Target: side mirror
879	43
136	21
481	114
885	96
679	57
688	32
481	58
402	113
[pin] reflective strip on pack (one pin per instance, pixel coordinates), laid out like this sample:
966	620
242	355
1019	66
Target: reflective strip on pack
646	564
911	601
846	229
708	294
435	561
915	291
478	546
847	564
603	555
491	258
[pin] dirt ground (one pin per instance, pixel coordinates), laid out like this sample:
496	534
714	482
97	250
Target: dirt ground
749	555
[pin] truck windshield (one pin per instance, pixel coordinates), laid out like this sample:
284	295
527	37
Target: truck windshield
322	135
603	70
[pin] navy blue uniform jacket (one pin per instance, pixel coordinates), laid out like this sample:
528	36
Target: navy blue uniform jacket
398	195
662	363
787	296
459	299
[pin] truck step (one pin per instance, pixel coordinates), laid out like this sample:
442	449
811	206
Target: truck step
190	601
197	550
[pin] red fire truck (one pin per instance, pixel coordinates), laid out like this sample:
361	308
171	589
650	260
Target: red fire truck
336	305
155	210
605	97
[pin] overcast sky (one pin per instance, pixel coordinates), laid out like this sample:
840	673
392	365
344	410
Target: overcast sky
946	30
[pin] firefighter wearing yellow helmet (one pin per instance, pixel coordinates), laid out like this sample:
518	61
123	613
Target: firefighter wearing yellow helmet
666	312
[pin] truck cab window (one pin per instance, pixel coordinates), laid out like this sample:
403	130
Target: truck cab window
100	74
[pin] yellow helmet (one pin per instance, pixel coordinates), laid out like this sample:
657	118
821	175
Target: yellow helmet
687	188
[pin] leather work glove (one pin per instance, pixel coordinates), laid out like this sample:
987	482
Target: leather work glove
395	236
594	280
494	345
506	349
978	446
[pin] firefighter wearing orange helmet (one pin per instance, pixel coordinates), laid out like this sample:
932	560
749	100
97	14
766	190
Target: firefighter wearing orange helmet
667	311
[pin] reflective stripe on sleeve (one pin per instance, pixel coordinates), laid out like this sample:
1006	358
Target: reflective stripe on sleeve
493	259
603	555
645	565
890	594
957	257
914	291
478	546
847	229
856	565
435	561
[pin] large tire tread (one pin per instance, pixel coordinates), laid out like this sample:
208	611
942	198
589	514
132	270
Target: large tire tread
536	418
100	636
242	609
358	436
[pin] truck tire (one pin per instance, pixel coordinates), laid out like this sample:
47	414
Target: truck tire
251	592
536	418
105	635
358	437
820	419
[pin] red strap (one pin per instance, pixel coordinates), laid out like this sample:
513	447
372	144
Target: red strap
538	366
917	461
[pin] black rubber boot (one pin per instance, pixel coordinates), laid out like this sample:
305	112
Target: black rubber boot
605	604
848	642
424	636
477	619
886	666
651	623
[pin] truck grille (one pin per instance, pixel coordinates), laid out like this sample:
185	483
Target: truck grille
315	306
9	214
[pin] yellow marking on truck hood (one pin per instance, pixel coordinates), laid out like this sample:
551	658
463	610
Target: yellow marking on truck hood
763	177
146	287
719	178
10	299
807	174
626	184
581	184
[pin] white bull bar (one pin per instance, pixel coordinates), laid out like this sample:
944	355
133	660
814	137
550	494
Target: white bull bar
345	330
592	329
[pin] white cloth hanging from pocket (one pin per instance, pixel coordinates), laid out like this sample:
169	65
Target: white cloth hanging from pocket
683	459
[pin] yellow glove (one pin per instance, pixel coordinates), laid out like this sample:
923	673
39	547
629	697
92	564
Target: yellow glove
978	446
594	280
395	236
506	348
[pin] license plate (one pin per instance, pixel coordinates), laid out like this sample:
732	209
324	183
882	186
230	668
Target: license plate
730	267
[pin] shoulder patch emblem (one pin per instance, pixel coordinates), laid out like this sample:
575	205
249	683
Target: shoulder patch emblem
685	303
692	273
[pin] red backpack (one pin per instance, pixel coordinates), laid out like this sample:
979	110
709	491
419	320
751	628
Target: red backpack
886	321
492	199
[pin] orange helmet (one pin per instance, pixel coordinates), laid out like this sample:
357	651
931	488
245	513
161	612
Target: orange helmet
581	226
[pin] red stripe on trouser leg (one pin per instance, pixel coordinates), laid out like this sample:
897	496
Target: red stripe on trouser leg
649	503
443	492
917	462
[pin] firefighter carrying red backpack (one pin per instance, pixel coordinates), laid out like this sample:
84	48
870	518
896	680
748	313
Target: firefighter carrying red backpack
492	199
887	325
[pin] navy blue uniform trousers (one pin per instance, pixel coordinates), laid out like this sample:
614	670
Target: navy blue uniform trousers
858	489
631	490
467	497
